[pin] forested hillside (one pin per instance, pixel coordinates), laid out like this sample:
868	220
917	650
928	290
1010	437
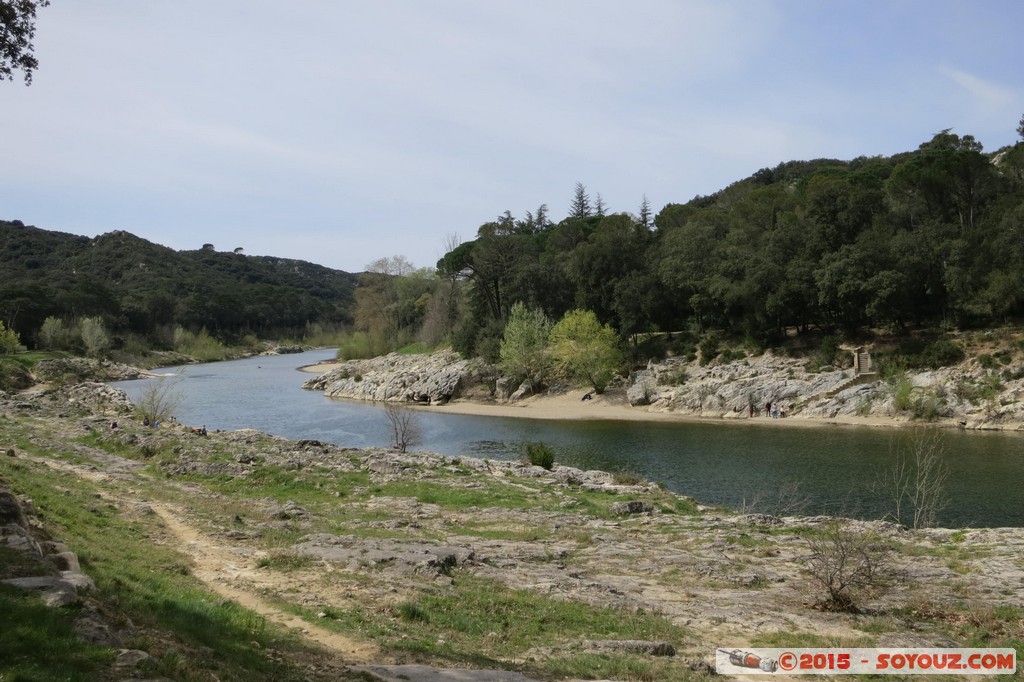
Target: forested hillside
933	237
929	238
139	288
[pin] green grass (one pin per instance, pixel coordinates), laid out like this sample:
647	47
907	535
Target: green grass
38	643
444	494
483	621
147	582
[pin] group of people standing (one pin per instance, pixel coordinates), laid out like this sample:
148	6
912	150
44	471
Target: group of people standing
773	410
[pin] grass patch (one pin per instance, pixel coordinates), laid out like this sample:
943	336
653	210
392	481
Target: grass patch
807	640
449	496
485	622
38	643
149	583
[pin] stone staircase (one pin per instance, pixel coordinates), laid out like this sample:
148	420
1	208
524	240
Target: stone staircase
863	373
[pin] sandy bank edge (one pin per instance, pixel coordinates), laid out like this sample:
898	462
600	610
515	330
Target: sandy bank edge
612	406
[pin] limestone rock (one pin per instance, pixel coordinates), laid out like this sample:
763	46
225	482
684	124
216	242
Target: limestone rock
55	590
437	377
631	507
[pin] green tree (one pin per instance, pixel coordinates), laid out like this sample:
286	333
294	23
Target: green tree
524	344
17	28
585	350
644	218
54	335
94	336
580	206
10	342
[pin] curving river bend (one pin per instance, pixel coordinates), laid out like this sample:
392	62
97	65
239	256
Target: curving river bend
831	468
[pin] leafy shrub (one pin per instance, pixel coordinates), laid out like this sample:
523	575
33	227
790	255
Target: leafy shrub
355	346
901	389
10	342
710	348
731	355
674	377
941	353
540	455
987	361
927	407
973	390
826	355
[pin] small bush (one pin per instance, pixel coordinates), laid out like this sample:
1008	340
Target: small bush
941	353
987	361
709	349
731	355
674	377
902	391
927	407
826	355
412	612
850	564
540	455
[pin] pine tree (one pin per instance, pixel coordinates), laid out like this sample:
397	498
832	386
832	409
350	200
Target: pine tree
580	207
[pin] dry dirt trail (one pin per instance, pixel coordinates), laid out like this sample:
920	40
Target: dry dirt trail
222	570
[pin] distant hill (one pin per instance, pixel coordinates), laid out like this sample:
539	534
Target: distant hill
137	286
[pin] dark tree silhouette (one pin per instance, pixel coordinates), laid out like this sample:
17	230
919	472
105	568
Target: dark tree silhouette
17	28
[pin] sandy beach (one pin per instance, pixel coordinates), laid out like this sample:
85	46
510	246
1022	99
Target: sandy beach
613	406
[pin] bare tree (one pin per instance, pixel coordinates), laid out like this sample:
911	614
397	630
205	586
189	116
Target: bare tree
915	483
160	398
851	564
405	426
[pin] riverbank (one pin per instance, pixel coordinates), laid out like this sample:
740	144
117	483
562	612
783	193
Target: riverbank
615	405
373	557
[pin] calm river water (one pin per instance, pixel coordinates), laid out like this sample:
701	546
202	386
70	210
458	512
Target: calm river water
717	463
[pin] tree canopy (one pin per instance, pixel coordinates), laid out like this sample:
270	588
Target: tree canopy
17	29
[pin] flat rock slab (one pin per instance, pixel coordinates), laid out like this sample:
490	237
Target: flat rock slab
424	673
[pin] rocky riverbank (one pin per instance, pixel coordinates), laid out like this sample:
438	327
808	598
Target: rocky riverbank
967	395
378	548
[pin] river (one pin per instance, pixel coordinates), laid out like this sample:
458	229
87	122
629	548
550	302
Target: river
829	470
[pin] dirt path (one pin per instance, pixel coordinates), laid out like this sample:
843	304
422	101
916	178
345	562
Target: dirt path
222	570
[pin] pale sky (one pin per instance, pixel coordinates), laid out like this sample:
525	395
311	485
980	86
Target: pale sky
339	132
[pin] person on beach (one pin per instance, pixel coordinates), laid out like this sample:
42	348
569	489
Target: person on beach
768	409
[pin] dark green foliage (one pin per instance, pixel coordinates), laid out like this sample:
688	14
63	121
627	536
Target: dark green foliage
826	355
17	29
933	237
135	286
942	353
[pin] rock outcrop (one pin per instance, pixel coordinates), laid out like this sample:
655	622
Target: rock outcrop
49	568
966	394
434	378
77	370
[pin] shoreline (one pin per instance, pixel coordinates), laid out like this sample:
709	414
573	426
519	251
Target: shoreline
612	406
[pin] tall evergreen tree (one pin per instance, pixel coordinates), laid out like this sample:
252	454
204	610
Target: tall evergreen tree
580	207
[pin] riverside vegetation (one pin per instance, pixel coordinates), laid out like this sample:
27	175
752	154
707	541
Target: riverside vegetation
204	550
